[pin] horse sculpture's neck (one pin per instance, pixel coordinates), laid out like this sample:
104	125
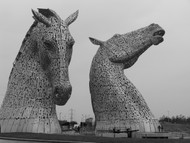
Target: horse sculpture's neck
114	95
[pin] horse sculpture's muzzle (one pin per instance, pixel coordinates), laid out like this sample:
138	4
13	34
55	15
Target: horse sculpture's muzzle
157	35
62	94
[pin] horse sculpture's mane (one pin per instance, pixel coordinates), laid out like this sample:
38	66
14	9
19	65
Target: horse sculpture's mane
39	78
23	42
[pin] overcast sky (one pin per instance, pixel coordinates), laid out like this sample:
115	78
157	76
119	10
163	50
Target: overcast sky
162	73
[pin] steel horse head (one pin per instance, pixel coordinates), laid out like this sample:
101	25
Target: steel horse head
54	47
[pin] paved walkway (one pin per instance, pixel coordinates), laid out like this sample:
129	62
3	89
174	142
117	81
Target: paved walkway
13	141
21	140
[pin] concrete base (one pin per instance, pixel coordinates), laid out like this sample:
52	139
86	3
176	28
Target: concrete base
30	125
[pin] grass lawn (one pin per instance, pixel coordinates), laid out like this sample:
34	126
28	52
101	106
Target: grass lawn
173	127
90	138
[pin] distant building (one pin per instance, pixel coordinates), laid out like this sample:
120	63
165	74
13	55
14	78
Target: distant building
65	125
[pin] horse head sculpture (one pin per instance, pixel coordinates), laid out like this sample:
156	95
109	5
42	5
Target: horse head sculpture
116	101
126	48
53	45
39	79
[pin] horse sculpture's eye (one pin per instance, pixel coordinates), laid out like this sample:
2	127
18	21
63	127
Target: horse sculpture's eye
49	46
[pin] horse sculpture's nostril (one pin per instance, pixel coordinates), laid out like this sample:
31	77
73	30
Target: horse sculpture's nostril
159	33
62	94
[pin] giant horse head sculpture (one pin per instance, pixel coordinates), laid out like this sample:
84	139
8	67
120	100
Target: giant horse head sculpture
116	101
126	48
53	44
39	79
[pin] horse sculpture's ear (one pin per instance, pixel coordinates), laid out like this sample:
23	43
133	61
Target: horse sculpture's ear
71	18
39	17
95	41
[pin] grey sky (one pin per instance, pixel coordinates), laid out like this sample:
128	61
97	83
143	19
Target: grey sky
162	73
